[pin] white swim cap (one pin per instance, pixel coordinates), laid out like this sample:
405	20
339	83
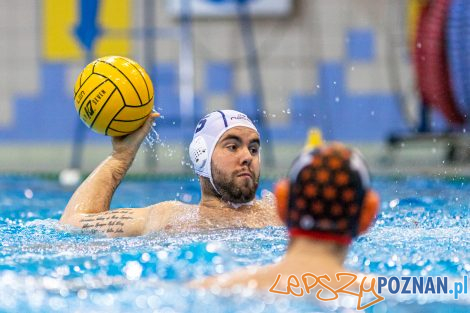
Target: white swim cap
208	132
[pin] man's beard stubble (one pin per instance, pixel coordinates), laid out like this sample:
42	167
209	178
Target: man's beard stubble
232	191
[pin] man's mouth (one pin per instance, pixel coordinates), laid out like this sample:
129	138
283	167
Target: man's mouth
245	174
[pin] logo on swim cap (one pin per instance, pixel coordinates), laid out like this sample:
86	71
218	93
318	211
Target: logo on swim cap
208	131
200	125
240	116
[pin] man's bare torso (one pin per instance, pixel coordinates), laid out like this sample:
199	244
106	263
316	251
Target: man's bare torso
177	216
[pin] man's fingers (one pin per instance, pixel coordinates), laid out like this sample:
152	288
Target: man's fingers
151	118
148	123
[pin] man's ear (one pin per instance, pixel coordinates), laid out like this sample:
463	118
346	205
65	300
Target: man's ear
370	208
281	191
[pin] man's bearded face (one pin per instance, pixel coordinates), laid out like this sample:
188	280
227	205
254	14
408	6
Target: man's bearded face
233	187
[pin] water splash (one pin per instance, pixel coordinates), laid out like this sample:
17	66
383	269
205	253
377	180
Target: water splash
422	229
153	138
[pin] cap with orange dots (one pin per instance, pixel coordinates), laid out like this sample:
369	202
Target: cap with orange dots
327	186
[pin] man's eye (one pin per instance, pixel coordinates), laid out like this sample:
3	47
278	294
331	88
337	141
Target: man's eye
232	147
254	150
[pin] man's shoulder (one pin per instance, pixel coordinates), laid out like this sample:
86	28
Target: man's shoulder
169	204
171	207
253	278
267	206
165	213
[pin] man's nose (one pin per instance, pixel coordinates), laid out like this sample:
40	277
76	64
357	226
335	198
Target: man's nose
246	157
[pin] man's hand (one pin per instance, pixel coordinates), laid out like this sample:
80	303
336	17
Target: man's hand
125	147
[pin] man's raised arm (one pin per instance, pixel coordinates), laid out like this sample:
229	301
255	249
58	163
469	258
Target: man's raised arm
91	201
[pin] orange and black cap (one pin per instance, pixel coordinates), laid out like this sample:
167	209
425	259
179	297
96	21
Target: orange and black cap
325	194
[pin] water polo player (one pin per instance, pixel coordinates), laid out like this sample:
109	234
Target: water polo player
225	155
326	202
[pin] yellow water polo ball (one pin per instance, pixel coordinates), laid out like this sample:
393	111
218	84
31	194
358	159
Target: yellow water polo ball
113	95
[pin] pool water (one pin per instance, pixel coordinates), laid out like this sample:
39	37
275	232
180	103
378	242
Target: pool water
422	230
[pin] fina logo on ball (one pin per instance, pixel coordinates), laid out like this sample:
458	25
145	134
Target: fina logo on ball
89	111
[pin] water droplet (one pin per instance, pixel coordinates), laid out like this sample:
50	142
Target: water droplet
394	203
162	255
28	193
211	247
307	222
133	270
186	198
82	294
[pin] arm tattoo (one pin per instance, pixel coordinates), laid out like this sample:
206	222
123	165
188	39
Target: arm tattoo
111	222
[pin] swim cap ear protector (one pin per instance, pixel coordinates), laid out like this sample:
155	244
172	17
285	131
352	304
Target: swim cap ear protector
206	135
327	195
369	211
281	192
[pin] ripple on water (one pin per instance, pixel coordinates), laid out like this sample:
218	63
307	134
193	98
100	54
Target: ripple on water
422	229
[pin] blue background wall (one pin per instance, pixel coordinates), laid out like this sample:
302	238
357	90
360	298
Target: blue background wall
323	98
